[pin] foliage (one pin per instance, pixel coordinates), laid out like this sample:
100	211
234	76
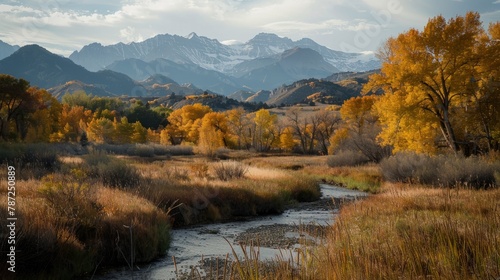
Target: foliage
435	81
265	134
147	117
359	130
213	133
184	123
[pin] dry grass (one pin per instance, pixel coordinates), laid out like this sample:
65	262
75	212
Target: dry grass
260	173
287	162
66	227
415	233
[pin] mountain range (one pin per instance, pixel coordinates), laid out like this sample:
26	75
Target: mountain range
264	62
213	55
256	71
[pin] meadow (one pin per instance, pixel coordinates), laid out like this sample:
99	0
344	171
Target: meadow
81	210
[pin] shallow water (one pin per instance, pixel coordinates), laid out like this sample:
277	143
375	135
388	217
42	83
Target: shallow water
190	245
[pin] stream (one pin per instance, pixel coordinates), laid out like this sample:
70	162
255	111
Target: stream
277	236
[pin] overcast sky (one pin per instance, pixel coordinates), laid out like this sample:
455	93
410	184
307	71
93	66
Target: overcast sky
63	26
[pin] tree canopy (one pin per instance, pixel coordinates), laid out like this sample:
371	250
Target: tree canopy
436	82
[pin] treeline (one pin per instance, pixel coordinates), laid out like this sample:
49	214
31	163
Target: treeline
29	114
443	93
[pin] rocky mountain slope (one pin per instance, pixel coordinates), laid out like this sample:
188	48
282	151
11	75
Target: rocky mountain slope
213	55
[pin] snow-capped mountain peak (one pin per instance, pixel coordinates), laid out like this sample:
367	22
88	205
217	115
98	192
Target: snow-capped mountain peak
212	54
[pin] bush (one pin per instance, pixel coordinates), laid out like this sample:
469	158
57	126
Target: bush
32	160
141	150
111	171
230	170
447	171
347	158
180	150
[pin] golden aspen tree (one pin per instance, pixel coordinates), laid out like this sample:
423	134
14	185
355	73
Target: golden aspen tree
265	135
185	122
360	128
123	131
139	134
287	143
101	130
45	120
164	137
213	133
153	136
427	78
76	117
238	128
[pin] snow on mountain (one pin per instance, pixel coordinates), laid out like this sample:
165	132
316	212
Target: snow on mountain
212	54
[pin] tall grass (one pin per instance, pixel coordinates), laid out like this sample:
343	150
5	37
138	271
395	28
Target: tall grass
66	227
414	234
222	191
111	171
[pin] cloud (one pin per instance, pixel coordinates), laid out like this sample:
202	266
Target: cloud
328	25
66	25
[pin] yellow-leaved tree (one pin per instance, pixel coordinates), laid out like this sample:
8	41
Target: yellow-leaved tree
213	133
429	78
184	123
359	129
265	133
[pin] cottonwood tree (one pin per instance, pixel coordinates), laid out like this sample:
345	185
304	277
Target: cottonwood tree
265	134
328	121
45	119
185	122
359	129
428	77
15	104
213	133
239	125
304	128
313	130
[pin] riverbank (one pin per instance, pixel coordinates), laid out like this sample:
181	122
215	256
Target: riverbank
200	248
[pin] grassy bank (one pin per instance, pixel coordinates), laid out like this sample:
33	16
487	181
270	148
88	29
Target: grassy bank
80	210
415	232
446	229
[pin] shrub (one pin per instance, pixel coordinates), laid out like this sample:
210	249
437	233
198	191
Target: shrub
34	160
180	150
111	171
440	170
200	169
226	171
141	150
347	158
176	174
72	199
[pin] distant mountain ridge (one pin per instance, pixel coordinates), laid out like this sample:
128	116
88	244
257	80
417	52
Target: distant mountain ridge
6	49
46	70
213	55
287	67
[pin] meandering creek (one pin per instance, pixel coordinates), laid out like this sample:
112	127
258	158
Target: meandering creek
274	234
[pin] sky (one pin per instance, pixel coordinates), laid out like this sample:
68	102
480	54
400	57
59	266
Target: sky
63	26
